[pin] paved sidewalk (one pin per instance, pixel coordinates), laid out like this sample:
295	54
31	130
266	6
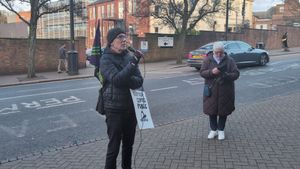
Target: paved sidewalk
89	71
264	135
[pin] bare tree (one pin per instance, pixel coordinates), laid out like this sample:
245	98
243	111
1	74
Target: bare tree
38	8
183	16
243	13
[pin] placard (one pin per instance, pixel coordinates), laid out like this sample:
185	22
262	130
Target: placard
142	110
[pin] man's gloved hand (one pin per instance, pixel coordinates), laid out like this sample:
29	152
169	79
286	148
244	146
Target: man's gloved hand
137	55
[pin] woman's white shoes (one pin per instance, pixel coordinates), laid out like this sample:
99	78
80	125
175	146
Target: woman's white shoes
221	135
212	134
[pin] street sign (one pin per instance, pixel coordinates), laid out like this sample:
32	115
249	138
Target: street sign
144	46
165	42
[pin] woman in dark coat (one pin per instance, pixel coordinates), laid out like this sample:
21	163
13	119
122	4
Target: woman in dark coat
220	72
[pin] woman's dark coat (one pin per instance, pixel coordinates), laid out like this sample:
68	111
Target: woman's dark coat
221	102
119	77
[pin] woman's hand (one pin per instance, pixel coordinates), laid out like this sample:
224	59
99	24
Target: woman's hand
216	71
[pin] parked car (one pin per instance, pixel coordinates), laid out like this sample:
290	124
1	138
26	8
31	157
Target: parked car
243	54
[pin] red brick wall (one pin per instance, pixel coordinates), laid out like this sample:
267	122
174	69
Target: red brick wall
271	38
14	55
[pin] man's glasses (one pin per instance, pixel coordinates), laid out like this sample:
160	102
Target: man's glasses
122	37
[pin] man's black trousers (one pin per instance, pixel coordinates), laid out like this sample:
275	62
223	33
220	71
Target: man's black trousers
121	126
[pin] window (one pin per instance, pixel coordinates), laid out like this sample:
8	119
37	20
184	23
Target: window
108	10
102	11
281	9
91	33
110	26
99	12
156	29
94	12
91	13
244	46
157	10
232	46
133	7
112	10
207	47
192	2
215	2
104	30
171	9
121	9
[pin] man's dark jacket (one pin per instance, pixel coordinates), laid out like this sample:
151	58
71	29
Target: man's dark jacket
119	76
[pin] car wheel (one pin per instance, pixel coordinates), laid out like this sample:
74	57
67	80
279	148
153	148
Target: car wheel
197	68
263	59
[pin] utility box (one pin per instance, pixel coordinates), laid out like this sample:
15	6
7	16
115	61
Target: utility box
73	63
260	45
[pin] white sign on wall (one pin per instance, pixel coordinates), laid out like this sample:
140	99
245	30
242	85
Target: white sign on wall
165	42
144	46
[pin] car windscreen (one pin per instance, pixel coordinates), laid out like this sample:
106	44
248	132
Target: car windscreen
207	47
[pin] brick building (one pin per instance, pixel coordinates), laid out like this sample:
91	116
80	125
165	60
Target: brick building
133	15
281	14
115	13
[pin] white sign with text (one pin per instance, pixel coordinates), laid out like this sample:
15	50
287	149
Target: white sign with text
144	46
165	41
142	110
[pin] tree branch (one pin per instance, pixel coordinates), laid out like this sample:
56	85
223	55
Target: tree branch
7	4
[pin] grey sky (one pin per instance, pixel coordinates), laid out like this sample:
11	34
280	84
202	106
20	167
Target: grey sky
263	5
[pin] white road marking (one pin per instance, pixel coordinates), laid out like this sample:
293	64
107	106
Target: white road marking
273	82
39	94
14	107
36	89
260	85
180	75
12	112
194	81
63	122
265	70
18	131
57	105
166	88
